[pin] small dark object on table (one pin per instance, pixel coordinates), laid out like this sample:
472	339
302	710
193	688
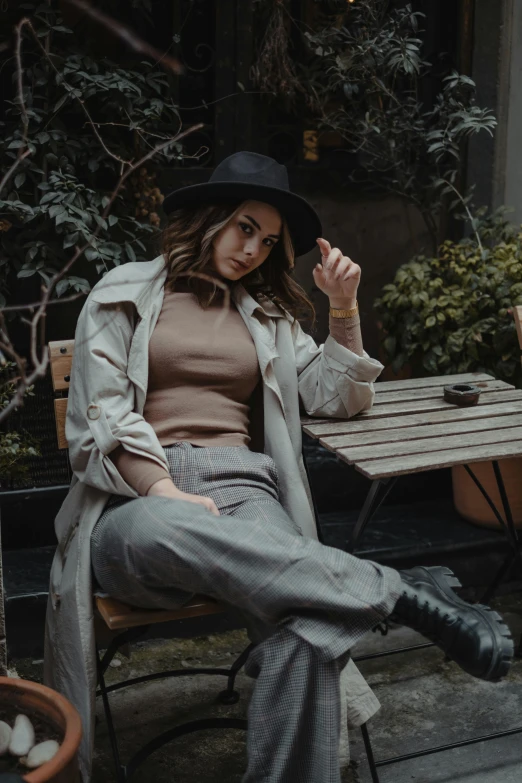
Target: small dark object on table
463	394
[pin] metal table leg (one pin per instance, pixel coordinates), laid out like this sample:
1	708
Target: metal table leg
508	526
375	497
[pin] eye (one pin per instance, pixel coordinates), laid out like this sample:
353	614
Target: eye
246	227
269	242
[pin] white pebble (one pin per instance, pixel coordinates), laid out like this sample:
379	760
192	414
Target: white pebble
115	663
5	736
41	754
22	736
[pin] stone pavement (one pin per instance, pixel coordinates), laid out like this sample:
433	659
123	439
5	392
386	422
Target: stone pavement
425	701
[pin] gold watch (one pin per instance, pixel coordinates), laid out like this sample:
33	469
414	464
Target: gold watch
336	313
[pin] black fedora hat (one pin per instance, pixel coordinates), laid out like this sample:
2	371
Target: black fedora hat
249	176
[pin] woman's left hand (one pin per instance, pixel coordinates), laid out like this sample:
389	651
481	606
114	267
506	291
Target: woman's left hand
337	276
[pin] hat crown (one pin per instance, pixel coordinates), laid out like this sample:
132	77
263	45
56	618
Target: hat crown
251	168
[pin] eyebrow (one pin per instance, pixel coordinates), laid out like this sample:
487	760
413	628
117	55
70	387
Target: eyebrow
256	224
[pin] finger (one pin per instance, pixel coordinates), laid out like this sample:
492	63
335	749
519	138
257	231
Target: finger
334	257
353	271
324	246
342	267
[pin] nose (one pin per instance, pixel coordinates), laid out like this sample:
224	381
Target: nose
251	247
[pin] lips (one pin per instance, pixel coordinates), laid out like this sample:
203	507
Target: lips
245	266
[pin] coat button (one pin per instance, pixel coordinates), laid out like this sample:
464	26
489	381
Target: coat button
93	412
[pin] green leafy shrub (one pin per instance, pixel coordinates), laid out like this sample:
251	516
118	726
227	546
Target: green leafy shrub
15	447
451	314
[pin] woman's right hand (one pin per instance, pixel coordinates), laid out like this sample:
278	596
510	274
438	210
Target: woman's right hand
165	488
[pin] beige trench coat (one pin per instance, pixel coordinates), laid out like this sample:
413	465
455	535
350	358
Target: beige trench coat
106	401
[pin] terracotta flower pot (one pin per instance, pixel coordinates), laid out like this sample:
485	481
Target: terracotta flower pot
470	502
38	701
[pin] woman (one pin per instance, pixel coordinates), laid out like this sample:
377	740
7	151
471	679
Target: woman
171	497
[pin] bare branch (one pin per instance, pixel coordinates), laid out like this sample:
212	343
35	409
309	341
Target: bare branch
129	36
13	168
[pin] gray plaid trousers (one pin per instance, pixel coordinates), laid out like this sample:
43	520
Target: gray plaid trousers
305	604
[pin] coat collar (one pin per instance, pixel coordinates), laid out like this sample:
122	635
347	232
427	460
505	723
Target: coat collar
136	282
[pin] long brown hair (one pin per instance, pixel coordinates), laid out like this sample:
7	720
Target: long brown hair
186	244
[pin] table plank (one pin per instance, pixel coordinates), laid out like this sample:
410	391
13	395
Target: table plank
323	427
431	392
434	380
417	463
429	445
427	406
399	434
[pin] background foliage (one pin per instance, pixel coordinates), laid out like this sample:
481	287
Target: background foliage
57	197
15	446
450	313
362	74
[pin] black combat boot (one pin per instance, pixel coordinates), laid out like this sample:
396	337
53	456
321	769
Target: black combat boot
472	635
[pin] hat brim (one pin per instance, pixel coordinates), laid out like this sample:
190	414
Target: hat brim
302	219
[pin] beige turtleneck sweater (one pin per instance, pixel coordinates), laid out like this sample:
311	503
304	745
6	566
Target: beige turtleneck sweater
201	376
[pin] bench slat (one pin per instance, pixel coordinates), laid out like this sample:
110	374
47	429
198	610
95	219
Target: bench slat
60	411
60	360
118	615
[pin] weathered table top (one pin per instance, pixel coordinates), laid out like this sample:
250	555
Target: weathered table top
412	428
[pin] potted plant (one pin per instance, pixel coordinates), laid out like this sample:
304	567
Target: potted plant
53	719
451	314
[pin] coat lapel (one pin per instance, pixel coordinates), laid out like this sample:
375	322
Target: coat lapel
259	320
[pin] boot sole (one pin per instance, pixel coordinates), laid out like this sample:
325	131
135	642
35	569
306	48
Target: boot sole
504	650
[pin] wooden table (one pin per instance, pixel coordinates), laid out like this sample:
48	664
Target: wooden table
411	428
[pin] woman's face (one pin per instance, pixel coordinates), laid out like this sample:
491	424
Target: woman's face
246	241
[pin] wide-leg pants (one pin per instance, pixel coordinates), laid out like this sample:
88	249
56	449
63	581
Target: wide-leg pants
305	604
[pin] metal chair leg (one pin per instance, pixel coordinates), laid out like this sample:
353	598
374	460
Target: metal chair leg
369	753
120	769
229	695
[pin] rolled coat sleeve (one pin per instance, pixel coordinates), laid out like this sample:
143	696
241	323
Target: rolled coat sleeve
333	381
100	411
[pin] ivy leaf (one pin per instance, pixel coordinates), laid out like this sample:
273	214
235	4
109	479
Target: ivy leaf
49	197
61	287
130	252
70	239
58	105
